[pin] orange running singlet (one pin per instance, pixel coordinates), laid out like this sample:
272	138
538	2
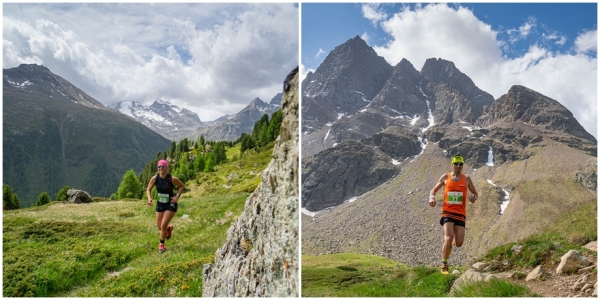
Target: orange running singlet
455	198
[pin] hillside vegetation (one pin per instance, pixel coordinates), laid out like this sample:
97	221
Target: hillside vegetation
49	143
361	275
109	248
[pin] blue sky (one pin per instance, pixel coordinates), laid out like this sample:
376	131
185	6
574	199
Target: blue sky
548	47
211	58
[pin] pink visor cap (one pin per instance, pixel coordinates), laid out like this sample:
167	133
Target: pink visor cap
163	162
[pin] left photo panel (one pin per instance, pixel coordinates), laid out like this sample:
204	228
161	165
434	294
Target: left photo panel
150	150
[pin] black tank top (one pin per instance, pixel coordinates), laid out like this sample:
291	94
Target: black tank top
165	185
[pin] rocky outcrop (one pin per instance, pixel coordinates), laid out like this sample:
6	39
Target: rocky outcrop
395	142
260	257
588	177
78	197
342	172
524	105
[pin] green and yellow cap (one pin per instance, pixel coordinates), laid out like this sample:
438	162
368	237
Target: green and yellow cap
457	159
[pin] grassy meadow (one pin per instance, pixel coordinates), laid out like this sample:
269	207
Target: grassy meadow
360	275
110	248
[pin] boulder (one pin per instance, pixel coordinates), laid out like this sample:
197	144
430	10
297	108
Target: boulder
571	261
535	274
469	276
595	294
78	196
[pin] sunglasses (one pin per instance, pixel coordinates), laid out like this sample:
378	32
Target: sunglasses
458	164
161	167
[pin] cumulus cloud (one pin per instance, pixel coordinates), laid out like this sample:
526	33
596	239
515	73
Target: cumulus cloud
373	13
586	42
455	34
304	71
210	58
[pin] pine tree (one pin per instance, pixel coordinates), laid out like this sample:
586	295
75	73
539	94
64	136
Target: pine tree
16	203
8	198
42	199
199	163
130	187
62	194
210	163
275	125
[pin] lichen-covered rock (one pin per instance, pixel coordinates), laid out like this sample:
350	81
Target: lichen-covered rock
260	257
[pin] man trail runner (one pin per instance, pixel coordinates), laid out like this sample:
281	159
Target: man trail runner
454	209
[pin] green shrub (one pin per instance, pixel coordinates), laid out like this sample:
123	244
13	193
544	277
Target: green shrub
62	194
42	199
130	186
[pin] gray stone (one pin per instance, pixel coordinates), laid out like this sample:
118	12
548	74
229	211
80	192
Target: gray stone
592	246
78	197
456	272
260	256
535	274
517	249
571	261
595	293
587	286
479	266
585	270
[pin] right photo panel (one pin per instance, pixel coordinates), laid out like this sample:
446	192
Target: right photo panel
449	150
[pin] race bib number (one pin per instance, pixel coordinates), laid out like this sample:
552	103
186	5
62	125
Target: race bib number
455	198
163	198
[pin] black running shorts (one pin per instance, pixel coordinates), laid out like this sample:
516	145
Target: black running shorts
162	207
444	220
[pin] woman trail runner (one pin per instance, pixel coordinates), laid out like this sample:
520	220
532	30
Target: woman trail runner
166	205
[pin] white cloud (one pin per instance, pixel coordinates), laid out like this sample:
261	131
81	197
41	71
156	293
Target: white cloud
304	71
373	13
365	36
210	58
587	41
438	31
319	53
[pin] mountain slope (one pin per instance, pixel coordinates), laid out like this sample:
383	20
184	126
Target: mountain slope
167	119
38	80
233	127
524	147
50	142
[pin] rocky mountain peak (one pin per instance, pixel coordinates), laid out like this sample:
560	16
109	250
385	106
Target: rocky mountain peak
522	104
458	99
347	80
37	79
165	118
